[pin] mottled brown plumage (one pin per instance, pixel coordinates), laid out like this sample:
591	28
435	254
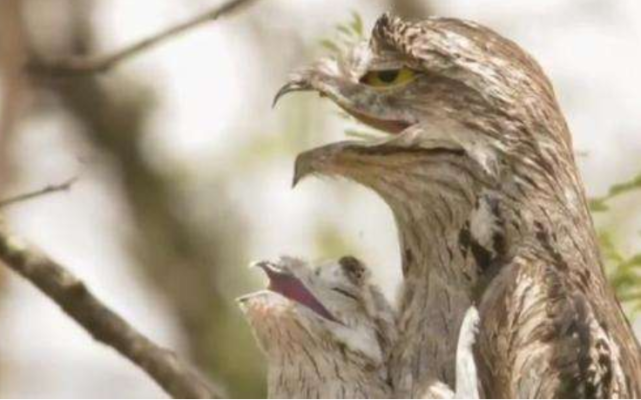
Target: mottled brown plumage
326	330
480	176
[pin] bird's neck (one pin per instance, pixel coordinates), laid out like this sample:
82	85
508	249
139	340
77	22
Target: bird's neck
432	212
456	233
439	277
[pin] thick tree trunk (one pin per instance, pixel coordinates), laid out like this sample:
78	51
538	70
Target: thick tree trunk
13	89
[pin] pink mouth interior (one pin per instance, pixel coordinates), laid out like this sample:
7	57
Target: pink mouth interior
292	288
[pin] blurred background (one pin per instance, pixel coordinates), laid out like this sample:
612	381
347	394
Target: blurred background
185	170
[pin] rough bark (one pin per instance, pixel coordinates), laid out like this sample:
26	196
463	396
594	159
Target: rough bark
14	96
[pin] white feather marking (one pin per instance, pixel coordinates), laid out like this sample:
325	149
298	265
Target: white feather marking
438	390
602	347
466	375
483	224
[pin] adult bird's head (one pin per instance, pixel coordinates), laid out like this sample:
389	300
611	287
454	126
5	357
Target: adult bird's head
439	86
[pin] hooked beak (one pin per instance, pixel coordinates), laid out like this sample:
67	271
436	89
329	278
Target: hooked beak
333	88
325	160
295	85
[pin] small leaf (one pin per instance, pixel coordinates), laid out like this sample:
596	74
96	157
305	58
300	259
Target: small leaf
598	205
330	45
357	24
634	261
610	251
346	30
621	188
624	282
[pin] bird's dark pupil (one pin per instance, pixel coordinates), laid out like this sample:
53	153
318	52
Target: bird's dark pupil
388	76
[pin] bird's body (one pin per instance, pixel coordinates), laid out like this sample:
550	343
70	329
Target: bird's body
316	369
480	175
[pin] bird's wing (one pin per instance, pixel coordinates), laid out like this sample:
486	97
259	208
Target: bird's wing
541	336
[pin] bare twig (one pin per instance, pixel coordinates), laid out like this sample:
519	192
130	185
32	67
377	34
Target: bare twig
45	191
81	66
71	294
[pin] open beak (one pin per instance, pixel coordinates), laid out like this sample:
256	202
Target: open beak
302	84
285	283
344	158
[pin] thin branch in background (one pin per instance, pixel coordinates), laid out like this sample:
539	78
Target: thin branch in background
82	66
45	191
599	204
73	296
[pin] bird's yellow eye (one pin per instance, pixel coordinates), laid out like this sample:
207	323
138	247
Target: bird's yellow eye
388	77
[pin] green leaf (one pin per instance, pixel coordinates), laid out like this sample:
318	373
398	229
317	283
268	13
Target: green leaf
625	187
610	252
346	30
598	205
330	45
357	24
634	261
624	282
347	35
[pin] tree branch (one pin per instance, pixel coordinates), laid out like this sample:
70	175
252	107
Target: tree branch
47	190
82	66
71	294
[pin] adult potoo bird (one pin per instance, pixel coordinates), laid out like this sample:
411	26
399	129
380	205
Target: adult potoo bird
479	172
326	331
